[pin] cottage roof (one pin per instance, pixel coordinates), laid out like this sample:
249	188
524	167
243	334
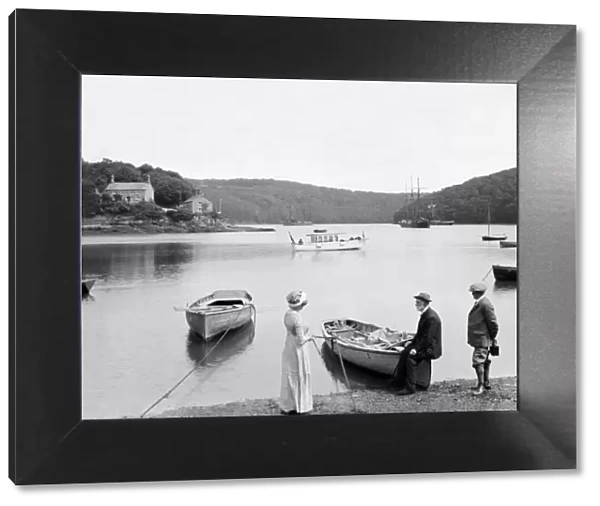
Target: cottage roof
198	198
129	186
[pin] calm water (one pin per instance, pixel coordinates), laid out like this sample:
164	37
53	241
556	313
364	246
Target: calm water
135	346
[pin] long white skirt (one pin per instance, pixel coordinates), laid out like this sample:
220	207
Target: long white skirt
296	390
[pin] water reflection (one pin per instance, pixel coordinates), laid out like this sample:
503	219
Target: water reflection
320	256
504	286
358	377
128	262
215	352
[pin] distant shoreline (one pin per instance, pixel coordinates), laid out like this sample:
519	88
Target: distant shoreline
116	230
442	396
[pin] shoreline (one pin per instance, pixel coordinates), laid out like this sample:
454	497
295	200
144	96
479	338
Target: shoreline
442	396
117	230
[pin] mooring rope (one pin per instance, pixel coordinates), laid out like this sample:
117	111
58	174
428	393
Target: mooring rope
347	382
488	273
344	371
191	371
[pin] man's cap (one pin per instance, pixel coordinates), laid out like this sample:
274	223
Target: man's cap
424	296
478	287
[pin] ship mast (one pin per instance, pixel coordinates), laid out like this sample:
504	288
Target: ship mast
412	196
418	198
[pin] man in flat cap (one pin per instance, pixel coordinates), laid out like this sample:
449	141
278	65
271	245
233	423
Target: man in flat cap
426	345
482	329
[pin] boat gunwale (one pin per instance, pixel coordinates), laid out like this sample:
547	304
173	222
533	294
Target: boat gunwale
345	344
199	306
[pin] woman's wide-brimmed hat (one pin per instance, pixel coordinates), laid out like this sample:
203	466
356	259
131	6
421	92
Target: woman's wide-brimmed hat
296	298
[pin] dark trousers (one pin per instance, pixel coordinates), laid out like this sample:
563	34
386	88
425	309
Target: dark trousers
412	372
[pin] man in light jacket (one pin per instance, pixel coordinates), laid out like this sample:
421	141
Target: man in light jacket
482	330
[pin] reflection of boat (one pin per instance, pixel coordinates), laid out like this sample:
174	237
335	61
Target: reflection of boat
218	312
490	236
208	353
365	344
86	286
328	241
504	286
505	272
508	244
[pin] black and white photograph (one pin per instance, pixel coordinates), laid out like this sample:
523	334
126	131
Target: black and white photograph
256	247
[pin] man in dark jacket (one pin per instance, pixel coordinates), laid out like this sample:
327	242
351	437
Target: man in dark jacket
482	329
426	345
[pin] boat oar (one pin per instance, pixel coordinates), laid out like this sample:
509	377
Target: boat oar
180	308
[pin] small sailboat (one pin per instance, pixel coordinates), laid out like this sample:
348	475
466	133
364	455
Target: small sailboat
489	236
218	312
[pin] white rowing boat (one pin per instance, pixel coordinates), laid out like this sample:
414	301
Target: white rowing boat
218	312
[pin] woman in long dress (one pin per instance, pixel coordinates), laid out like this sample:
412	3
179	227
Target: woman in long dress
296	391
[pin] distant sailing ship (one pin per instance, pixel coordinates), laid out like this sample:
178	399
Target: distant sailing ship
416	221
434	221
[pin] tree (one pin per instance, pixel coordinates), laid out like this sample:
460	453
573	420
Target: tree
90	200
147	211
179	215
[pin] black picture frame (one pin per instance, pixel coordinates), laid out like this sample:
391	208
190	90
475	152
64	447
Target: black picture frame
50	443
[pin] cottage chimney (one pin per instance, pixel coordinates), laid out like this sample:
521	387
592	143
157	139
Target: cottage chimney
148	179
112	178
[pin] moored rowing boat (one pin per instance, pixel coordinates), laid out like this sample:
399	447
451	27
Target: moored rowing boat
505	272
365	344
219	312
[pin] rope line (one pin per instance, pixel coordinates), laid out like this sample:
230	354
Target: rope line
488	273
189	373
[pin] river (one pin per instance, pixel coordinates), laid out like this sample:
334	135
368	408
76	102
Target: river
136	346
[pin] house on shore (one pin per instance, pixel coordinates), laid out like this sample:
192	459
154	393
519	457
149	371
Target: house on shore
131	192
198	204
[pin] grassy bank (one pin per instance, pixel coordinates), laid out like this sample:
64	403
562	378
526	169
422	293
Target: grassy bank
452	395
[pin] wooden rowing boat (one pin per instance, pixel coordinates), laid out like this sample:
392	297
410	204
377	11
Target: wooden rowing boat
505	272
508	244
219	312
365	344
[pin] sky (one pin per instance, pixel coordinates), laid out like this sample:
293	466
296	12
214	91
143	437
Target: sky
356	135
